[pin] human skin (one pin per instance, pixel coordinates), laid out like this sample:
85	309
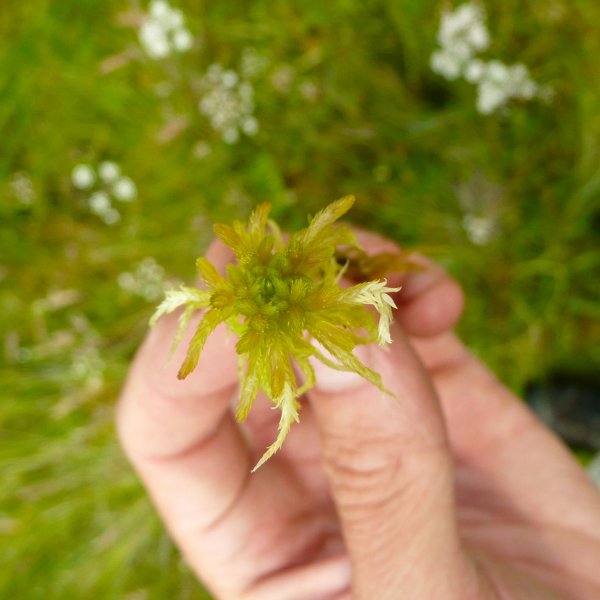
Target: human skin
453	490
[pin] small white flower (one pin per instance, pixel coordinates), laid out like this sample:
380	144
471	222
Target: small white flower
490	97
148	281
174	20
22	188
528	89
521	84
125	189
111	216
446	64
154	39
159	9
202	149
126	281
99	202
88	367
463	27
163	31
500	83
246	92
309	90
214	73
480	230
231	136
168	17
230	79
497	71
182	40
250	126
474	71
109	171
479	36
282	78
83	177
253	63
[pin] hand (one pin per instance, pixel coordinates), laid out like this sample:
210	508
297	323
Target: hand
453	491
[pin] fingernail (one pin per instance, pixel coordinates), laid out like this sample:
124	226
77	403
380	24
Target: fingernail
332	380
416	283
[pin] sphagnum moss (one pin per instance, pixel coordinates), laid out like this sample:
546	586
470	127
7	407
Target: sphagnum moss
279	299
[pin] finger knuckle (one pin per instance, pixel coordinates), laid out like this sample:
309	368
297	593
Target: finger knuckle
365	474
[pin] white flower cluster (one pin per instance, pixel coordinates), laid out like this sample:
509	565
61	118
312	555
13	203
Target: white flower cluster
462	34
147	280
481	202
282	78
21	188
86	373
253	63
497	83
479	229
104	184
163	31
228	103
88	368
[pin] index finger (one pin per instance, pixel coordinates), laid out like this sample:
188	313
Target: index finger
160	415
180	435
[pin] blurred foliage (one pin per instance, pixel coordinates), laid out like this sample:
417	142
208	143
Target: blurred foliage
346	103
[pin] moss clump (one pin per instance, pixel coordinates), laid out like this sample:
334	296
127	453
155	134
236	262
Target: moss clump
280	298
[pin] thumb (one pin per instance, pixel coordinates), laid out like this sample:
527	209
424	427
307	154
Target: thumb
391	476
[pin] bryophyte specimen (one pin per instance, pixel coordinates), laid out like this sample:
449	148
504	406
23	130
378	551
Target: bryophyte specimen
282	298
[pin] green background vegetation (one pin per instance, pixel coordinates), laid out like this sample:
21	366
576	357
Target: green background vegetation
361	113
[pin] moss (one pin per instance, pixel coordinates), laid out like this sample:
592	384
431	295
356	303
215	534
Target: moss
279	298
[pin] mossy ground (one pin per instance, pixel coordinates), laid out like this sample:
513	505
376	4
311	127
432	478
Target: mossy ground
346	103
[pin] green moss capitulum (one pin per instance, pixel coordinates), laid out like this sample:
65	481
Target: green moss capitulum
279	298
